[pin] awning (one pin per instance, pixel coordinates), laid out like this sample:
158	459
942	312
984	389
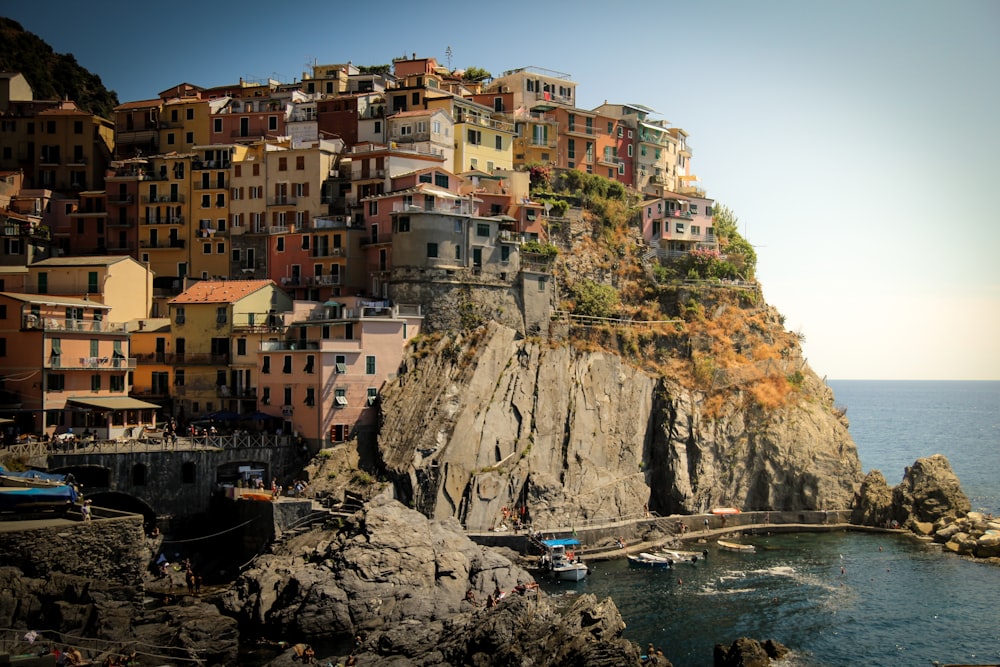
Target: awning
114	403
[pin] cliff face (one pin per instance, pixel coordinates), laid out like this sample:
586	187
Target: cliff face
476	424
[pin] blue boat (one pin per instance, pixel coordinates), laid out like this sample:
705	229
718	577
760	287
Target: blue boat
31	499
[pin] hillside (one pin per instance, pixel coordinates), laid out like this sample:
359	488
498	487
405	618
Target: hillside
52	75
690	394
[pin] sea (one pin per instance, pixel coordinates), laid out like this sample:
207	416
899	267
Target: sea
842	598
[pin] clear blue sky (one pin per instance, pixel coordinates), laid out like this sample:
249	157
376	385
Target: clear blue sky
856	140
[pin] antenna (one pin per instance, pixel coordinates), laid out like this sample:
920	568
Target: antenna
447	54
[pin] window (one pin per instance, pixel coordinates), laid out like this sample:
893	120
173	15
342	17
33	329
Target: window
117	383
206	248
370	364
310	396
221	315
92	281
288	396
282	164
280	244
505	253
95	382
571	149
679	227
56	381
3	347
206	201
630	150
441	180
265	398
95	347
310	360
266	365
241	346
432	250
300	162
340	361
220	248
287	366
179	377
340	397
475	137
498	142
217	125
696	230
272	122
483	229
403	223
372	395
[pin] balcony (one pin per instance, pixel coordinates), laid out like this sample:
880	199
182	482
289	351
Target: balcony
165	358
283	200
212	186
166	220
62	362
322	280
226	391
377	240
327	252
163	199
210	164
278	229
201	359
161	245
77	161
120	200
34	322
452	207
481	121
537	142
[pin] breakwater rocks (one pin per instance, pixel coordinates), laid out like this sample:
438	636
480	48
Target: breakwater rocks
930	503
416	591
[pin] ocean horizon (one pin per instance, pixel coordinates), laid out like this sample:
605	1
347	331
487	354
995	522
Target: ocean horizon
842	598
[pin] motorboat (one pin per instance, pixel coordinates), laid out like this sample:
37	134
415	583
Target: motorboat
561	561
736	546
648	560
30	478
37	499
681	556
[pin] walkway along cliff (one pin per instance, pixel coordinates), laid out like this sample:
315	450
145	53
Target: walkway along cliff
478	423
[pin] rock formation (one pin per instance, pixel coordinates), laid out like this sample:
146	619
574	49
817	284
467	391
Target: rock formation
400	580
490	421
746	652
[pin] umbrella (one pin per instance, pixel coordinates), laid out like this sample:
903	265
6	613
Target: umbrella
259	416
222	416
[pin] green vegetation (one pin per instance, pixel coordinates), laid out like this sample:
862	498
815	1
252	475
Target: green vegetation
52	76
739	253
476	74
594	299
539	248
374	69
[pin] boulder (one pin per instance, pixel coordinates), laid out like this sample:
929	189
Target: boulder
946	533
923	528
988	546
930	490
873	504
745	652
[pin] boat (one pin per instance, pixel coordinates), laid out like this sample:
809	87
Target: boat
30	478
37	499
649	560
561	562
736	546
681	556
725	510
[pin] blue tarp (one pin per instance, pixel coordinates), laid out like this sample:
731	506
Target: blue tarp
565	542
33	474
35	498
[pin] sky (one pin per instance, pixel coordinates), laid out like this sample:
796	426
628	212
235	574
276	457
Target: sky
856	140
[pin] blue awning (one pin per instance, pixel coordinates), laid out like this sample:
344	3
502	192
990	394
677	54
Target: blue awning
565	542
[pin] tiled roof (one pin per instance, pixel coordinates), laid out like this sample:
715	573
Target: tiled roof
219	291
55	299
88	260
138	104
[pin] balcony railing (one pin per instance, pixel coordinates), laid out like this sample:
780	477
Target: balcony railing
91	363
210	164
212	186
322	280
283	200
163	199
201	358
167	220
120	200
36	322
458	207
159	245
376	240
225	391
327	252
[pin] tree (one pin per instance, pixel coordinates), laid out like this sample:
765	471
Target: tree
374	69
476	74
737	249
594	299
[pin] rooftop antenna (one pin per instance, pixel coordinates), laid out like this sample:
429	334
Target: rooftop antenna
448	54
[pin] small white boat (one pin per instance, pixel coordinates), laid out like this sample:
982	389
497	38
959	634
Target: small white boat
561	562
736	546
681	556
649	560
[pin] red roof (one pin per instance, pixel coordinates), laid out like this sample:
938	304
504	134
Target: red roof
219	291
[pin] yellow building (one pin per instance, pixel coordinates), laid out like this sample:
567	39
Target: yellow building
117	281
184	124
164	215
482	143
217	325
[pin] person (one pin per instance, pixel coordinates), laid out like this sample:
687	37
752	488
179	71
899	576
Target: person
706	523
470	596
85	510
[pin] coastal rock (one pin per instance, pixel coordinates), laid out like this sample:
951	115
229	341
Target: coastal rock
873	504
387	564
475	424
745	652
988	546
930	491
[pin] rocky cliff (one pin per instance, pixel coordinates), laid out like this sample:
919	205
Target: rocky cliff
489	420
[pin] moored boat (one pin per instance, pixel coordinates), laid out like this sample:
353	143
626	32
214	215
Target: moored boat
736	546
648	560
37	499
681	556
561	562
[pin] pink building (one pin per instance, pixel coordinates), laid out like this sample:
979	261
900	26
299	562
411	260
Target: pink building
677	224
324	377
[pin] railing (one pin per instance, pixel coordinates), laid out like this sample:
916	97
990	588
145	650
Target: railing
30	321
210	164
118	222
277	229
215	185
481	121
328	252
459	207
198	358
169	243
170	220
283	200
323	280
98	363
119	200
375	240
163	199
225	391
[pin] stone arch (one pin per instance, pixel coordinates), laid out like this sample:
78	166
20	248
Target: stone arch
125	502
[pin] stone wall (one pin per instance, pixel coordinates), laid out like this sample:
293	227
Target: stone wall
109	549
